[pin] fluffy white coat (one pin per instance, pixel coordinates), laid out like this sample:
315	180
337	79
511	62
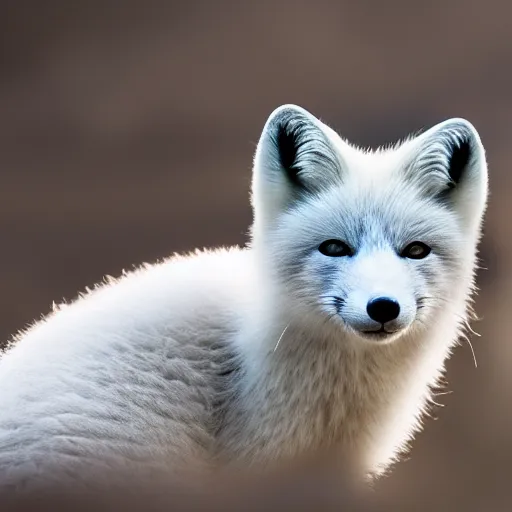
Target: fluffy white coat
262	353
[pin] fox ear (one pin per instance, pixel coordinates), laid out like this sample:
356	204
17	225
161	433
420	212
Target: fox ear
448	163
294	158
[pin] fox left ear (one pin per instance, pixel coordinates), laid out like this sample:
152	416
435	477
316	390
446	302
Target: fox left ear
295	159
448	163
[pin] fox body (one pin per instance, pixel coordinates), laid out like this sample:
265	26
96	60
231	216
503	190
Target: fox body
328	331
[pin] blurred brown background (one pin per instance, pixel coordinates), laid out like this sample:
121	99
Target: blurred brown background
127	131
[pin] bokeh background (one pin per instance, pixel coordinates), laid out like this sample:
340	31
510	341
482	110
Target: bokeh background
127	131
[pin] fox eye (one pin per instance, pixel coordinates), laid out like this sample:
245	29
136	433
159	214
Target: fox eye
335	248
416	251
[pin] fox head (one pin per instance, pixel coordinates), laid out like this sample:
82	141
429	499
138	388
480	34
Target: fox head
374	242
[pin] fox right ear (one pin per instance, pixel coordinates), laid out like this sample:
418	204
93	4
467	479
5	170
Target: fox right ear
294	158
448	163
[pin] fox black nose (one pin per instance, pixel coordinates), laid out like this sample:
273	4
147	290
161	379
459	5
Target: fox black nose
383	309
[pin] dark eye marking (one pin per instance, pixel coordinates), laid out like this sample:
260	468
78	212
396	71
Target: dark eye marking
416	251
335	248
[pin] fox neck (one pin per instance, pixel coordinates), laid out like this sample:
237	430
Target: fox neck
306	385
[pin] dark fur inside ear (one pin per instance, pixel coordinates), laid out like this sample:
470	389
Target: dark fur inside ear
458	160
444	159
287	142
303	151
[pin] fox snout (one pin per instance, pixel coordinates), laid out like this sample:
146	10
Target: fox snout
382	316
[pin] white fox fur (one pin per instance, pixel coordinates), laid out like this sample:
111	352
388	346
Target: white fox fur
260	354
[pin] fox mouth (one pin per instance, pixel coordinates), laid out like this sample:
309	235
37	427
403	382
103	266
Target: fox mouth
378	333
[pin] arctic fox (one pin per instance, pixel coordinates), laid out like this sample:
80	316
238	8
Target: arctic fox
328	331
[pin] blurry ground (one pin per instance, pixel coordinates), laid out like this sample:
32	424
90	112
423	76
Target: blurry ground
127	134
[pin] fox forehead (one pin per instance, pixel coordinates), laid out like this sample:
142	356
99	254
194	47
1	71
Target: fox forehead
367	167
391	212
